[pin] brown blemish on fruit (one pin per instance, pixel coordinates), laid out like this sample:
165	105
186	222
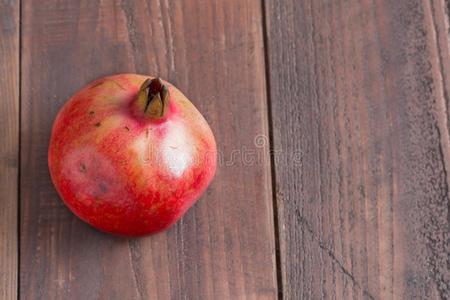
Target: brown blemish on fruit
118	85
97	124
123	161
91	112
150	211
126	127
146	134
104	81
97	84
102	187
82	168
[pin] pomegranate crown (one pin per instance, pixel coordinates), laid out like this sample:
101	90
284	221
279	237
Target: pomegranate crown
153	98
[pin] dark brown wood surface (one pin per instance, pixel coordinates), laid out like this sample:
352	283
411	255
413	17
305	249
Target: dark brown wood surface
223	248
353	96
9	146
359	89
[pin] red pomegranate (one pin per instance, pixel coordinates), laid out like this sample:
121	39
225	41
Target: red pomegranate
129	154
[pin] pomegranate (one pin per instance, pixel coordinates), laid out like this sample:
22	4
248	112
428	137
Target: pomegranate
129	154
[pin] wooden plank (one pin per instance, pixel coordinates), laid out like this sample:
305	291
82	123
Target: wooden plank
9	149
213	51
359	111
440	10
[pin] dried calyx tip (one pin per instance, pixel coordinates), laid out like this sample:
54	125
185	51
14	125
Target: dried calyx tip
153	98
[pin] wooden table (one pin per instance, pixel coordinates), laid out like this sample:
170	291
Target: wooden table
342	105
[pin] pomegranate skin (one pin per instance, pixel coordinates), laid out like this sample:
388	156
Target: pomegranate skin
124	173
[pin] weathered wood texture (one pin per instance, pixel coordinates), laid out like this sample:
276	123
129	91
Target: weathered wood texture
360	92
441	14
9	146
223	248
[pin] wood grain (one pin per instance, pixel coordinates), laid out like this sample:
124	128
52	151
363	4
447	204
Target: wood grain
359	98
9	146
440	10
223	248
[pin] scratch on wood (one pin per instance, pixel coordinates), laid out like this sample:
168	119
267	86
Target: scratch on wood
330	253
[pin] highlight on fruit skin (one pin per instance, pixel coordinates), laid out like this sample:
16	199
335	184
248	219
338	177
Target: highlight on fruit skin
129	154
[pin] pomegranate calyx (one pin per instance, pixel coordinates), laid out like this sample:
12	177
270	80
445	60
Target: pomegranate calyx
153	98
